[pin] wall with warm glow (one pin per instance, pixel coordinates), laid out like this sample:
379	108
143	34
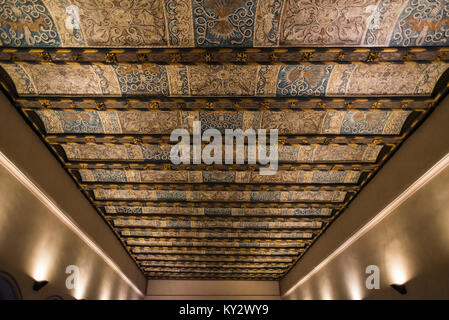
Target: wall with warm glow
406	246
399	223
35	244
47	225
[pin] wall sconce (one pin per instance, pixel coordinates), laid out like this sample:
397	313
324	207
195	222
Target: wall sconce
37	285
399	288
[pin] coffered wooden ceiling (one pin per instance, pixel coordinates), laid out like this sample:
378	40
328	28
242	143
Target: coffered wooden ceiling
105	82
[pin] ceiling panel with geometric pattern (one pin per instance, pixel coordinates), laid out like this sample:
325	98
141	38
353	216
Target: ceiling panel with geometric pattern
104	83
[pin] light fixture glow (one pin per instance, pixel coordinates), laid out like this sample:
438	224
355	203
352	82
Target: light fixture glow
325	288
41	268
398	265
355	292
354	287
80	290
305	293
326	295
105	295
353	278
42	258
106	289
398	275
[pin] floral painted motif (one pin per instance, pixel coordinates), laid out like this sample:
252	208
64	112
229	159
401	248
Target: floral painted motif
303	80
287	154
214	223
27	24
239	196
179	22
380	24
222	80
220	211
164	122
142	79
384	79
158	176
59	79
117	152
224	22
123	23
22	80
229	80
422	23
72	122
267	23
221	121
364	122
325	22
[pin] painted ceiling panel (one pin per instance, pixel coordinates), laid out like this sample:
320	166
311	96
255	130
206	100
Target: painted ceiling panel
215	265
220	243
215	271
104	83
233	251
223	81
164	122
219	211
288	154
234	23
216	235
158	176
245	196
253	259
214	223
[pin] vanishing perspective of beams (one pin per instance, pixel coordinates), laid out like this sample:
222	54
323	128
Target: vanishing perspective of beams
105	84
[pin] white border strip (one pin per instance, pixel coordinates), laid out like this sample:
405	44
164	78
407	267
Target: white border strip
412	189
19	175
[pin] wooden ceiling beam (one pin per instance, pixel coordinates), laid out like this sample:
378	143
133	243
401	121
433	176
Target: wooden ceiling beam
149	103
188	56
165	139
